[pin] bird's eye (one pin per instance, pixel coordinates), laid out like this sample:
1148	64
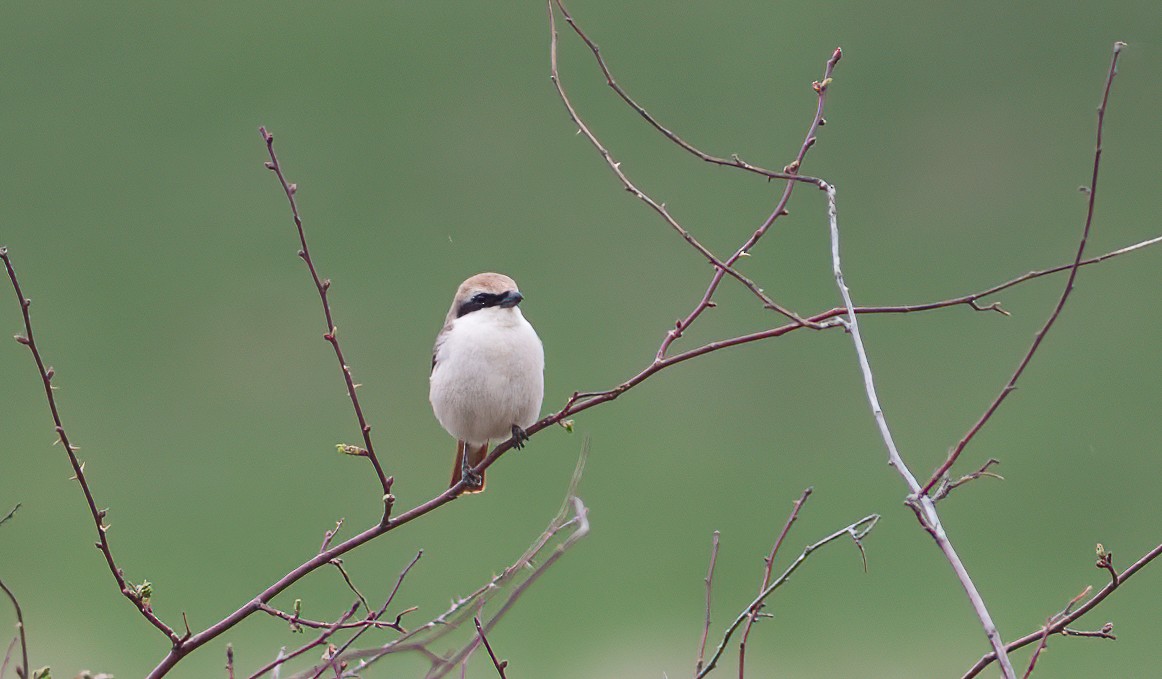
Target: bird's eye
480	298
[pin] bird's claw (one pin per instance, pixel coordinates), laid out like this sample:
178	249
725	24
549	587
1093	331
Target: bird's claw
519	437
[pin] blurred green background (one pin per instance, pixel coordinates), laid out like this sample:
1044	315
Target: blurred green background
428	145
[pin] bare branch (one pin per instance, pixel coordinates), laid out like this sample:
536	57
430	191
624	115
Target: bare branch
317	641
497	663
28	339
10	514
22	671
331	334
941	491
1060	625
660	208
921	503
1011	385
856	531
709	589
767	569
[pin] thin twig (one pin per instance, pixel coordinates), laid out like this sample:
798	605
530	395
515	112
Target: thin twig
660	208
10	514
921	503
24	670
769	563
857	531
1045	635
821	88
331	334
1011	385
317	641
229	661
496	662
98	515
1065	620
941	491
709	589
733	161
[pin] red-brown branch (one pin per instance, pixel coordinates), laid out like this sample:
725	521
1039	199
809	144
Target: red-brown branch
1011	385
323	286
28	339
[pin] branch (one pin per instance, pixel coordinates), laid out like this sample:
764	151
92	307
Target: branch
659	208
498	664
317	641
331	334
857	531
23	670
1037	339
1059	626
46	375
709	589
920	503
770	563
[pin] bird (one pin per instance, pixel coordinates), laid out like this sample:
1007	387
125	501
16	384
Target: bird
487	379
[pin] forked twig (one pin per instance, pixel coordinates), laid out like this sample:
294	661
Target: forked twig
1060	625
769	564
856	531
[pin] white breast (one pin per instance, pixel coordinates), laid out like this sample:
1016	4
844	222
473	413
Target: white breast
488	375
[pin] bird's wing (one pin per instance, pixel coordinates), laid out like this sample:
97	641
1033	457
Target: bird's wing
439	341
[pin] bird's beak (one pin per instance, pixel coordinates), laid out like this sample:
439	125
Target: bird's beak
511	299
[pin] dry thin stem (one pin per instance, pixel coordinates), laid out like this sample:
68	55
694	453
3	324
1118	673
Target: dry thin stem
856	531
709	589
8	656
1045	635
733	161
229	661
317	641
1011	385
22	670
98	515
332	332
1060	625
10	514
769	563
946	486
920	502
660	208
706	302
496	662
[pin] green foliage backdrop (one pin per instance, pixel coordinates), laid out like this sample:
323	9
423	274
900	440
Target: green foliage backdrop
428	145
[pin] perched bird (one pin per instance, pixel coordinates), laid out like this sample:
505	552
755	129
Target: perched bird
488	368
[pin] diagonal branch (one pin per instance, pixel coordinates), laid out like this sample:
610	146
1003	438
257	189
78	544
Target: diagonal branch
1061	623
857	531
1011	385
733	161
659	208
332	332
920	503
46	374
769	562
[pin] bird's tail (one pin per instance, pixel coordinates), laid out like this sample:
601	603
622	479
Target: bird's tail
476	455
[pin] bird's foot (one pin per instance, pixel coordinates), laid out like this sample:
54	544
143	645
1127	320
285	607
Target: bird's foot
519	437
473	480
